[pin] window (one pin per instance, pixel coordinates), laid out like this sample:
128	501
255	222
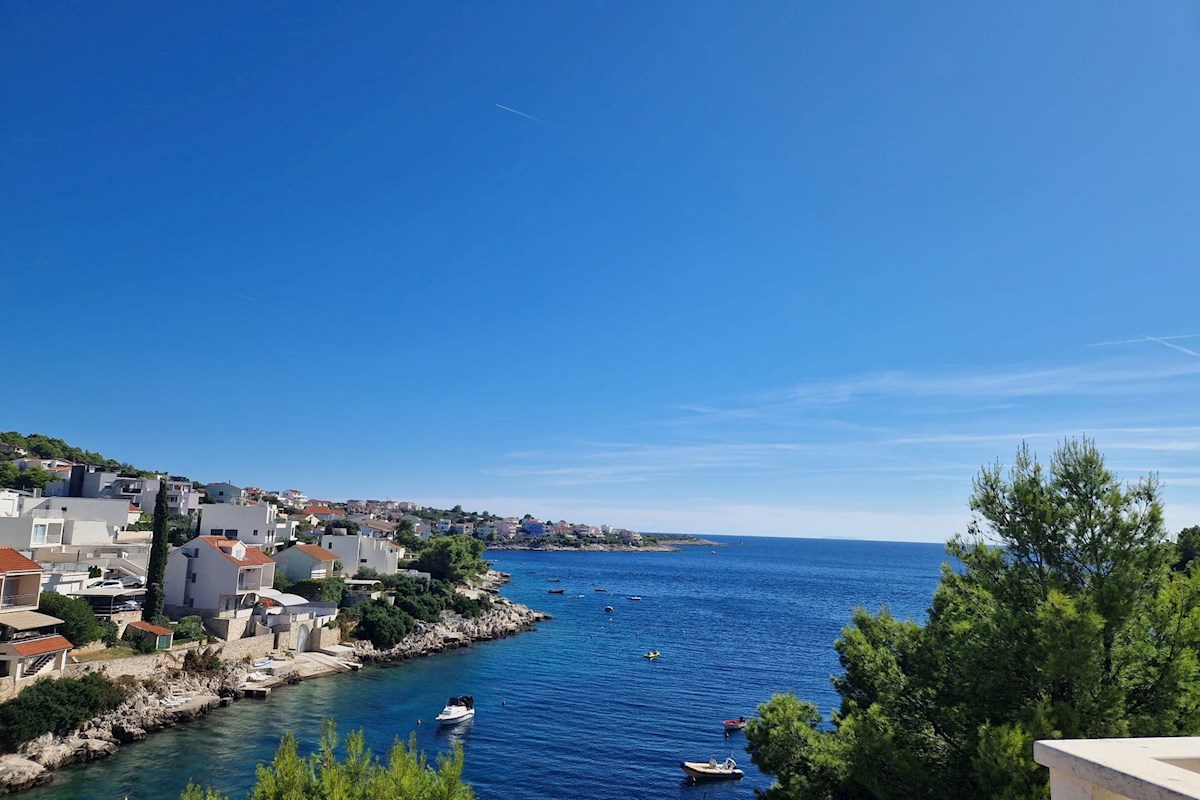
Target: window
39	534
218	532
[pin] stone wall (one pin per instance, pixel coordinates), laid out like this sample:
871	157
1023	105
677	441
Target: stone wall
141	667
252	647
323	637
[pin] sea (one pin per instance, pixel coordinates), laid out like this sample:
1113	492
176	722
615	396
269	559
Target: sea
573	709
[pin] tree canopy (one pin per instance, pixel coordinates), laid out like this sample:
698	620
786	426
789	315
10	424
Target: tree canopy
452	558
80	624
1063	619
405	775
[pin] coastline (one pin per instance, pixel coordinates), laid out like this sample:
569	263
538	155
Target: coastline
669	546
150	708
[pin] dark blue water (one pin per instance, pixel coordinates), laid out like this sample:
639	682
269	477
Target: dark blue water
573	710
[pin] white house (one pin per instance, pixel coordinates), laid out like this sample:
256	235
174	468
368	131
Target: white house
355	552
214	576
442	525
225	493
302	562
257	525
294	498
30	645
32	523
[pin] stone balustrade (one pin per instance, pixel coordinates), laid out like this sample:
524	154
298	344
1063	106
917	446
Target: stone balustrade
1122	769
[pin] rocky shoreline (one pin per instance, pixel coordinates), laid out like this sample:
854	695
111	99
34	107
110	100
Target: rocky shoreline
154	707
670	546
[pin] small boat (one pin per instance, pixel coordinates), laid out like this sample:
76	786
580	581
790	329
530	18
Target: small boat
735	724
636	597
608	609
727	770
553	580
257	676
652	655
459	708
600	590
556	591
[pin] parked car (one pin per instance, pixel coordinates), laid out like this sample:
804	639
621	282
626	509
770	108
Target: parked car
107	583
132	582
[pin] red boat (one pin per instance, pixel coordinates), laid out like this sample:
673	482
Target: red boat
735	724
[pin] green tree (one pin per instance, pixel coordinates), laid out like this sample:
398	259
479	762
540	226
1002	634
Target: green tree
1064	619
157	570
382	624
1187	545
452	558
405	775
80	624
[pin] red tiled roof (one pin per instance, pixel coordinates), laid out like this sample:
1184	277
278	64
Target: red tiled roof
314	552
12	561
148	628
40	647
254	556
318	510
132	507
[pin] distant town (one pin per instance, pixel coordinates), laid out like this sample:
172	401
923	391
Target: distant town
243	562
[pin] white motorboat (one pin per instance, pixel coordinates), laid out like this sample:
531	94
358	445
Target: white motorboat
459	708
727	770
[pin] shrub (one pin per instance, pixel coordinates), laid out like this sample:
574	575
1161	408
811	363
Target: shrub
57	706
202	661
189	629
381	624
80	624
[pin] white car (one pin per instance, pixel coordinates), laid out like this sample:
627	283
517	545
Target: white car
109	583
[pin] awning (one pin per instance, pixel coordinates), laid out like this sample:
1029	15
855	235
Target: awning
109	591
283	598
28	620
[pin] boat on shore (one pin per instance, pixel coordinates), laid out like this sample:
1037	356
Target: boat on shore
727	770
459	708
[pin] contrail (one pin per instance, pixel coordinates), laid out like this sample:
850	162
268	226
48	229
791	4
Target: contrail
522	114
244	297
1146	339
1165	341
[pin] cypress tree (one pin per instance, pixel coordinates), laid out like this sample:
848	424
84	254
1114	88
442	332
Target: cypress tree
157	569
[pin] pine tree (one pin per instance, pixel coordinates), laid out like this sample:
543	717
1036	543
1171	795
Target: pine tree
157	570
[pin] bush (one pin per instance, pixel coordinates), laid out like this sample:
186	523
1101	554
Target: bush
56	706
469	607
202	661
381	624
330	590
80	624
189	629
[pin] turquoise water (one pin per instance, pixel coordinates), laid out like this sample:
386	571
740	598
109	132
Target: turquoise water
572	710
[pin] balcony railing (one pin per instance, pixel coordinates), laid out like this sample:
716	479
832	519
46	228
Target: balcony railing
18	600
43	513
1122	769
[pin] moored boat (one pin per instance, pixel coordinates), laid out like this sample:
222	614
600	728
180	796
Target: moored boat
608	609
635	597
735	724
652	655
556	591
459	708
727	770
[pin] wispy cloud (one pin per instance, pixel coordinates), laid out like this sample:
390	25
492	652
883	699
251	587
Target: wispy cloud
522	114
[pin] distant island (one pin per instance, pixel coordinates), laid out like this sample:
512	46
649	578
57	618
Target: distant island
646	543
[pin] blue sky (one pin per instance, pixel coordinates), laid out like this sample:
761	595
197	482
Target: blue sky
773	268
